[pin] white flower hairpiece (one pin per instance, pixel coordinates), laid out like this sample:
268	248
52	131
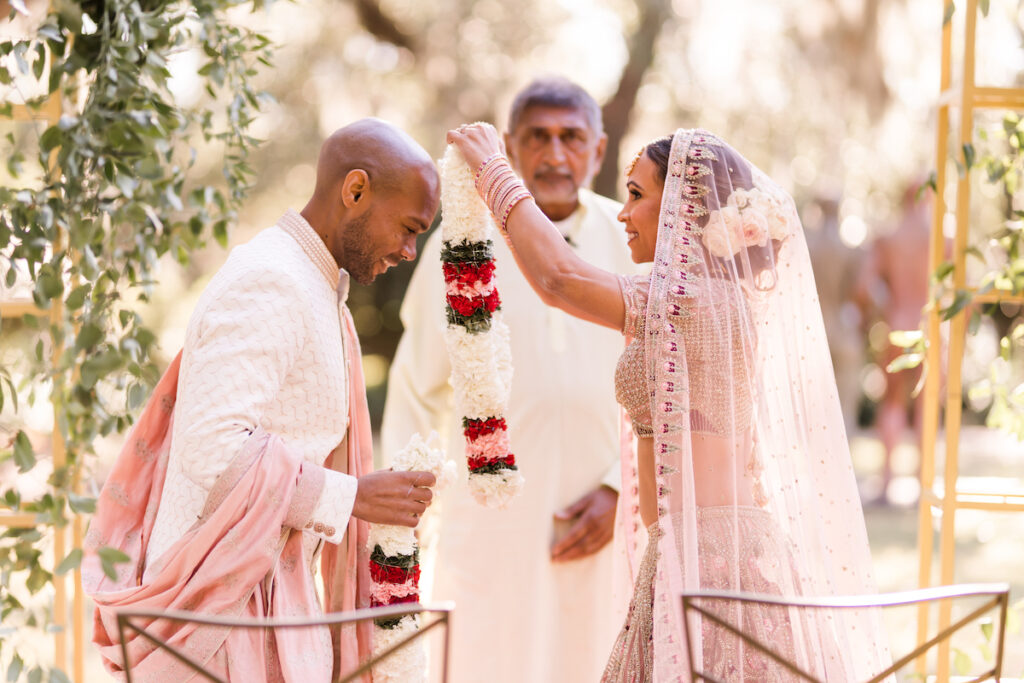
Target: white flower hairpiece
750	217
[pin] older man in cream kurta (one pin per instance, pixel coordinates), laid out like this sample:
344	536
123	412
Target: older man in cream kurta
527	608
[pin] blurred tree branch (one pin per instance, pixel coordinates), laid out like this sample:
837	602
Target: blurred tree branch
617	111
860	54
850	47
108	189
382	26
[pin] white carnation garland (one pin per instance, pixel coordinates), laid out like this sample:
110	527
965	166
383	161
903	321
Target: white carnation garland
395	571
476	337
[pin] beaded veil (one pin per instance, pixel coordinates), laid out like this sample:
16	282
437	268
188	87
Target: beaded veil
756	490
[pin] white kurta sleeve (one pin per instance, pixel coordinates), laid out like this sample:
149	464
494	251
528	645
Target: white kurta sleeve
332	512
249	335
419	396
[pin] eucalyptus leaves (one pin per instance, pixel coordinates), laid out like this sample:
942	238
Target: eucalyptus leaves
91	204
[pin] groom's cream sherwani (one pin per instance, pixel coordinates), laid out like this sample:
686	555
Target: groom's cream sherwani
520	617
263	349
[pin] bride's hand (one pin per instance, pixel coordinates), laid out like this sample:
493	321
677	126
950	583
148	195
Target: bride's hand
477	142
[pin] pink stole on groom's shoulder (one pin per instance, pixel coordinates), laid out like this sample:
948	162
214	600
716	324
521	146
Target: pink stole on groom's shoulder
346	567
245	535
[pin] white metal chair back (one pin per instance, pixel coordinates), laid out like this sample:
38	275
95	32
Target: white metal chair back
994	596
442	611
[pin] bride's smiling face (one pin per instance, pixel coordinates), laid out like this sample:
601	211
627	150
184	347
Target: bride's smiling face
640	212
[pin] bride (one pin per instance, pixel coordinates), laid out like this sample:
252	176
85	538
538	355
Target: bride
742	472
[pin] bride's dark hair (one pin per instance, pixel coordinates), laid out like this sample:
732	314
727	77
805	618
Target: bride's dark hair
731	172
658	151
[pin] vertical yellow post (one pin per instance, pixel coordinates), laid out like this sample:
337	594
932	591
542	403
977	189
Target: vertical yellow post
933	361
78	601
60	603
53	109
58	447
957	338
50	112
78	608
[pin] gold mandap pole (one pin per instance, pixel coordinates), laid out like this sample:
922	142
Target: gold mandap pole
967	98
50	113
933	358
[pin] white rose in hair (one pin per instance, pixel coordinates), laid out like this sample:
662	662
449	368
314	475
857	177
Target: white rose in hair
754	227
778	210
723	235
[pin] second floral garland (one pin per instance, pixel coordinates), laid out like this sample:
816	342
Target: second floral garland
476	337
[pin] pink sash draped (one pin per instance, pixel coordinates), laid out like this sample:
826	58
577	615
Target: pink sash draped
346	566
242	558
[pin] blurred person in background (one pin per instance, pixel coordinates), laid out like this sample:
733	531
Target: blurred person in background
893	289
531	582
836	269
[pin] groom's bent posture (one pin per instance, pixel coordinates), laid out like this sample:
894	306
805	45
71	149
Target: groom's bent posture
255	448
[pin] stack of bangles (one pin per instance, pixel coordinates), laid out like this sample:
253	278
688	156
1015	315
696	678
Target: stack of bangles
500	188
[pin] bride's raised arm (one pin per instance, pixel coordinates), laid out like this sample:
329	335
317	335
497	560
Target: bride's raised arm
560	277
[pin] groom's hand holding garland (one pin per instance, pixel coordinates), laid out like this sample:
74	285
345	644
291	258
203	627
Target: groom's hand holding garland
395	563
396	498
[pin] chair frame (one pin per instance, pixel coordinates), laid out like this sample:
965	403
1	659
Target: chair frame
998	595
443	610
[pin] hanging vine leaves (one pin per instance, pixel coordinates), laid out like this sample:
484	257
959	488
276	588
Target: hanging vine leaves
110	190
1000	155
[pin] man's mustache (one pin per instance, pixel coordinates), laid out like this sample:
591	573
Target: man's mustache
552	170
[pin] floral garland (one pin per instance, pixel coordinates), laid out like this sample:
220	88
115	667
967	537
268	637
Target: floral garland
476	337
395	571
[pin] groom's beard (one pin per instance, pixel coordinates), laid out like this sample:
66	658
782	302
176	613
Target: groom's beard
356	244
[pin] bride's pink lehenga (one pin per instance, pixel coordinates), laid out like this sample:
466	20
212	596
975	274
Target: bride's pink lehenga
728	374
764	566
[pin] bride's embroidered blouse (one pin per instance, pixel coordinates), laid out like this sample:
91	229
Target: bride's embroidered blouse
718	385
631	385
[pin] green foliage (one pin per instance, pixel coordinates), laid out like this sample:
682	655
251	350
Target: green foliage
999	158
964	662
947	14
109	191
961	662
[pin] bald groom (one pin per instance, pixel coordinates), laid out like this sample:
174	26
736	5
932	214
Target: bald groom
271	357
